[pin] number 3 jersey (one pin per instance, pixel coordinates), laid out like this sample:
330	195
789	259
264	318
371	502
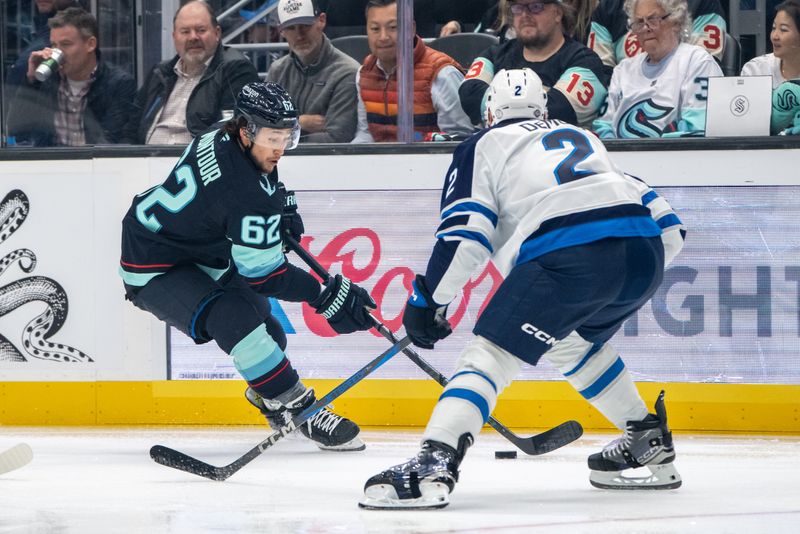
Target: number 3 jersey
524	188
668	99
214	207
610	38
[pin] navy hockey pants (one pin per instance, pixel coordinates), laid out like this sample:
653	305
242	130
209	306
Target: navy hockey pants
589	288
182	297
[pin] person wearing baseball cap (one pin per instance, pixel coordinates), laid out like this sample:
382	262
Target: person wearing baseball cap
320	78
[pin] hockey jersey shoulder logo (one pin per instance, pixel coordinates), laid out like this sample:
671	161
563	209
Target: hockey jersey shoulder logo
639	119
263	181
632	46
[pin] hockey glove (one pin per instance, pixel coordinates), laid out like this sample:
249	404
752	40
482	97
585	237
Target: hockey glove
291	222
423	318
345	305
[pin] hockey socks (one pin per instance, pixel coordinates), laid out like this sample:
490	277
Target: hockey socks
483	371
598	373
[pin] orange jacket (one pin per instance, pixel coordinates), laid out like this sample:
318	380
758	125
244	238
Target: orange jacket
379	93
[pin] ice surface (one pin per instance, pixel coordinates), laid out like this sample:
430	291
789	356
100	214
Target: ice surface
103	481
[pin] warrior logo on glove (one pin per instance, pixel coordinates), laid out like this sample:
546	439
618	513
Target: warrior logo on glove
345	305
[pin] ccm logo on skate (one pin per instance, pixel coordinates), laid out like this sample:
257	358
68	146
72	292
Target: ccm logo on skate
541	335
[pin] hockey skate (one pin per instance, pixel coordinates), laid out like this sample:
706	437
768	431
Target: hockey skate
646	443
423	482
329	431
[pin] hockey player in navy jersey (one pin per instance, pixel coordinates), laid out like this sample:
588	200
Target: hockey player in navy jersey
204	250
582	247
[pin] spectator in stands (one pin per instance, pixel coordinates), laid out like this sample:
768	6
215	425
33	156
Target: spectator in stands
578	24
661	92
265	30
437	77
576	21
613	41
320	78
184	96
87	101
460	14
572	73
783	64
40	39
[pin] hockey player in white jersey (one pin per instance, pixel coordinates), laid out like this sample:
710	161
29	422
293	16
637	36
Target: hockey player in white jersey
582	246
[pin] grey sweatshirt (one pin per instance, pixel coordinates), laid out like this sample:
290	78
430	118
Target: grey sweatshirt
327	87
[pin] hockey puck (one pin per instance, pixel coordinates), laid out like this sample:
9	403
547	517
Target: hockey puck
505	455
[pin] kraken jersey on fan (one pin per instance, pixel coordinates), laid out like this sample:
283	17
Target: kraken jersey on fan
214	206
613	42
528	187
573	75
668	99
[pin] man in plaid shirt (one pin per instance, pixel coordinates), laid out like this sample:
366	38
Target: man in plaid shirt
87	101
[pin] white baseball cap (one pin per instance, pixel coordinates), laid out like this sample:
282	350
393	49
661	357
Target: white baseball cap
291	12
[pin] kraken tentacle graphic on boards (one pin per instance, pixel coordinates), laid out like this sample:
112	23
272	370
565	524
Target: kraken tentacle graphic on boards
36	338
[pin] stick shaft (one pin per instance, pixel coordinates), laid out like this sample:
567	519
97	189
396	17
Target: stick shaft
538	444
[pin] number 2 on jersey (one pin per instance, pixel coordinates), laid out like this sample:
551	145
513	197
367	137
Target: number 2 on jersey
173	203
581	149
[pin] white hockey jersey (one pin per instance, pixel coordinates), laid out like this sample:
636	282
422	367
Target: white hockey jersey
669	101
528	187
766	65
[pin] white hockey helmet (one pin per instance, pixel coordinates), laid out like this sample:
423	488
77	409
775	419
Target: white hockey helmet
515	94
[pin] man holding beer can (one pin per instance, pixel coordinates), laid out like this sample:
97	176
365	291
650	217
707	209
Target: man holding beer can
72	97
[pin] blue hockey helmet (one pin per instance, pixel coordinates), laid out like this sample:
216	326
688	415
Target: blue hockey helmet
267	105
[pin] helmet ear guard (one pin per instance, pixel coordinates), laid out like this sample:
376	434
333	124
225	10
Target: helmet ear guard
515	94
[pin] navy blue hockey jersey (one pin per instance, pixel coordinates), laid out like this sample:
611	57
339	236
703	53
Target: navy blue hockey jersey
215	210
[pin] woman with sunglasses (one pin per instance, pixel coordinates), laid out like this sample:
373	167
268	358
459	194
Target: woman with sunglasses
661	92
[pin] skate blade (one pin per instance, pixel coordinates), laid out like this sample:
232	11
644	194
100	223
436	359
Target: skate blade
354	444
661	477
435	495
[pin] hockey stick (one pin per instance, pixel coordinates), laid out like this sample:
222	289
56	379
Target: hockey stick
178	460
15	457
542	443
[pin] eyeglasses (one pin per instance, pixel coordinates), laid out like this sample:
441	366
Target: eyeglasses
534	8
652	22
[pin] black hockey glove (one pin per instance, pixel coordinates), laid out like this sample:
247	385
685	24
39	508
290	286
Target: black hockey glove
344	305
423	318
291	222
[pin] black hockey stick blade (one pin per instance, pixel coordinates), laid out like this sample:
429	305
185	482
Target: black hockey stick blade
184	462
547	441
178	460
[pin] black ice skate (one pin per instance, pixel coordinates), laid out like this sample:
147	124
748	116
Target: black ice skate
329	431
423	482
646	443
